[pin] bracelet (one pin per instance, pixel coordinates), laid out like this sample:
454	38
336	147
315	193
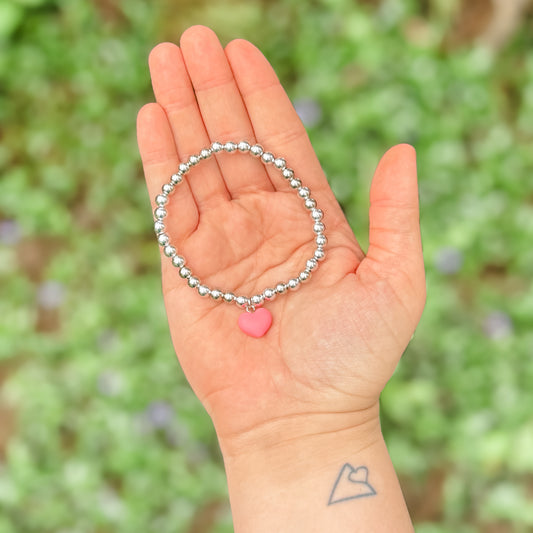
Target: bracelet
256	320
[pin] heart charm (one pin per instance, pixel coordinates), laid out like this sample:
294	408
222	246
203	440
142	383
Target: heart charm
255	324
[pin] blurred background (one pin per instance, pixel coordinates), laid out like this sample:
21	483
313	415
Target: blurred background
99	431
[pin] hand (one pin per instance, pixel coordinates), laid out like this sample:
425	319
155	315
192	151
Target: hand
334	343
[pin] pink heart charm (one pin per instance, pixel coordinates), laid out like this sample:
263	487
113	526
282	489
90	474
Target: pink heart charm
255	324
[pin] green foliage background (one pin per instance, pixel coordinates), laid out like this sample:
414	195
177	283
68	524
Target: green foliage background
99	430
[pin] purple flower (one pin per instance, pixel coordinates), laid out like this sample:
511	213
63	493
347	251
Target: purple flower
10	232
309	111
50	294
498	325
159	415
448	260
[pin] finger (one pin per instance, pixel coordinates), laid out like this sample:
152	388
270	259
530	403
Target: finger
159	158
275	121
394	231
222	108
174	92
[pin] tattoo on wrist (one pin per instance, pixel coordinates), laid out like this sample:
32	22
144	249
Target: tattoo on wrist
352	483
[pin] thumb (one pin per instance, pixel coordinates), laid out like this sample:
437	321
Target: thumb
395	247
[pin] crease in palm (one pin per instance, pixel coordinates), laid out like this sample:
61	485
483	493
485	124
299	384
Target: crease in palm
253	242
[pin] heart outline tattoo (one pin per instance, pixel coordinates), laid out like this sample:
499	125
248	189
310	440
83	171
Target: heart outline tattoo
352	483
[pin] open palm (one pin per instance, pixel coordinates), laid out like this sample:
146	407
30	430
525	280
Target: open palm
334	343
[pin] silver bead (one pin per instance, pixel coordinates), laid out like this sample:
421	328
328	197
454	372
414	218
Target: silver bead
161	199
319	254
230	147
203	290
159	227
319	227
288	173
280	163
310	203
316	214
194	160
176	178
217	147
229	297
321	240
193	282
311	264
178	261
169	250
205	153
304	192
257	299
304	276
295	183
184	167
185	272
293	284
243	146
269	294
242	301
256	150
160	213
281	288
216	294
267	157
163	239
168	187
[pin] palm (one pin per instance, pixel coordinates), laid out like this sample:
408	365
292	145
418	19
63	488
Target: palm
333	344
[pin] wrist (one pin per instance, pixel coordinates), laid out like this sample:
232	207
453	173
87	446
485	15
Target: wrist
327	481
274	443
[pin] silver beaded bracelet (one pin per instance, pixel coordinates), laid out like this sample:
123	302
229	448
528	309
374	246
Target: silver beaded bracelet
256	321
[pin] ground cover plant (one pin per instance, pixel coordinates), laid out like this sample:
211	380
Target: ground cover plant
99	431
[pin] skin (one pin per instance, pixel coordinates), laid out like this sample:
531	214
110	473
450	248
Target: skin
310	387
